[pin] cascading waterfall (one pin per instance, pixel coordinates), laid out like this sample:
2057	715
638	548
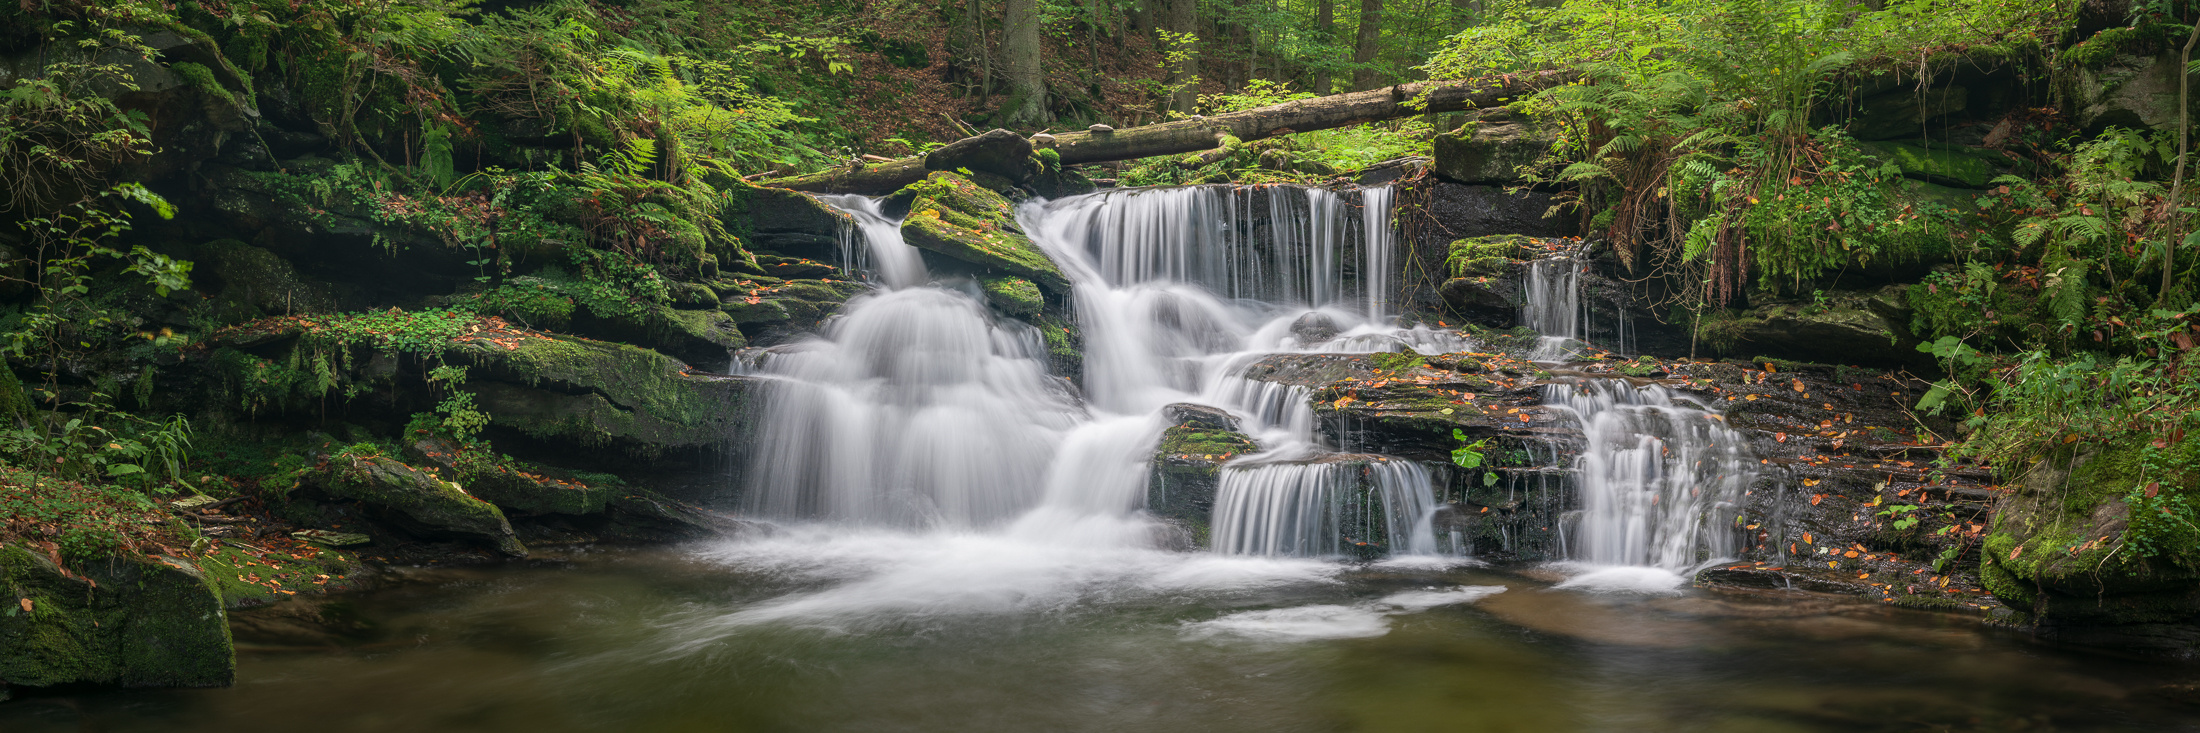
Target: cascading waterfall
1553	306
1316	508
1156	333
1660	476
916	407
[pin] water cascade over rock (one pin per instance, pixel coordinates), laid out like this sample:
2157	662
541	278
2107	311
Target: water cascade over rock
920	407
1659	475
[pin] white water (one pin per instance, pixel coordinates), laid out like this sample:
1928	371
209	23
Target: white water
922	463
1314	508
918	411
1660	475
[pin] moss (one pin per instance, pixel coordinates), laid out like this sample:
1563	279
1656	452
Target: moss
431	502
245	579
1938	163
1487	256
599	393
1189	441
2061	546
952	216
136	622
1013	295
202	78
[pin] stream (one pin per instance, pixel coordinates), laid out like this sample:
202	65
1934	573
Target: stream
810	632
954	538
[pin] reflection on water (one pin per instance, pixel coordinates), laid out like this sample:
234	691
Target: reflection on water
876	633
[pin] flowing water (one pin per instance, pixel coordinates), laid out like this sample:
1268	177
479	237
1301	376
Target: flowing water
616	641
957	543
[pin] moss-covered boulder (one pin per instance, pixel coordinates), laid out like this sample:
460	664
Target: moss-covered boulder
953	217
593	393
1834	327
1947	165
129	621
2093	544
784	221
546	502
1187	466
419	500
1491	150
509	485
1013	295
2127	90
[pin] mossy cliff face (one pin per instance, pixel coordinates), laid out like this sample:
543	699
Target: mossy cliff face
951	216
2065	553
135	622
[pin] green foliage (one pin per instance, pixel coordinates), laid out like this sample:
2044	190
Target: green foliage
91	441
84	520
59	134
460	419
1470	455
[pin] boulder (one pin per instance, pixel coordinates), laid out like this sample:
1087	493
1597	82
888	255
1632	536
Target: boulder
787	222
2064	555
958	219
1948	165
2138	92
592	393
1472	211
419	500
1835	327
1013	295
128	621
251	282
1491	150
595	507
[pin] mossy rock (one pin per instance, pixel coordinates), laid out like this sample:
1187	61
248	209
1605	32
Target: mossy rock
251	282
1948	165
596	393
1834	327
1013	295
1488	256
430	503
129	621
510	485
951	216
1490	151
2060	546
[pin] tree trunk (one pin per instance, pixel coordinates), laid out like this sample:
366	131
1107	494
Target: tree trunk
1193	135
1369	46
2184	150
1183	19
1325	31
1027	79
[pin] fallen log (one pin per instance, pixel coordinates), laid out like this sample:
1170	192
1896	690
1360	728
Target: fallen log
1102	144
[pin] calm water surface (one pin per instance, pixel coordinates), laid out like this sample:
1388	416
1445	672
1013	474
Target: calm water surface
886	632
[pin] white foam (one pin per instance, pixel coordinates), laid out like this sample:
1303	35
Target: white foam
1332	621
1302	623
1622	579
1422	600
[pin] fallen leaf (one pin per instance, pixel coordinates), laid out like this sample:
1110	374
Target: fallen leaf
26	605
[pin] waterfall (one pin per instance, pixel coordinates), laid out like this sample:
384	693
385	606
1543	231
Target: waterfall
1316	508
1557	311
1661	477
918	407
1553	306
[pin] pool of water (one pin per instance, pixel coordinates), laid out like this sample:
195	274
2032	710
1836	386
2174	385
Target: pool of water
838	631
